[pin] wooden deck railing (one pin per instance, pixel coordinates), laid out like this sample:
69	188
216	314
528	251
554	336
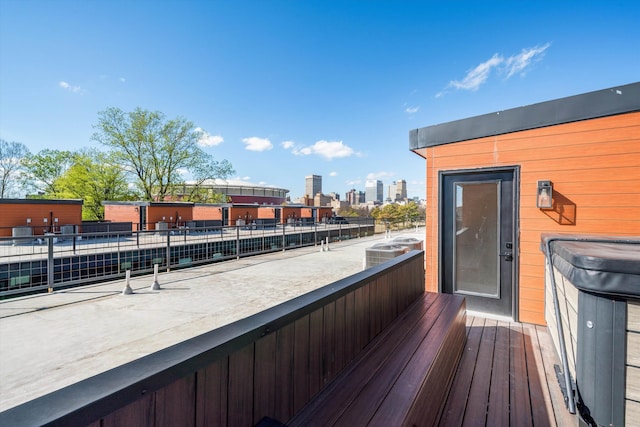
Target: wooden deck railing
270	364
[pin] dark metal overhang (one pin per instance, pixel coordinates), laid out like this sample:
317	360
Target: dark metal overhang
591	105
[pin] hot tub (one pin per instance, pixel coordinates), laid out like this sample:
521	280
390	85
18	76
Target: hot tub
597	283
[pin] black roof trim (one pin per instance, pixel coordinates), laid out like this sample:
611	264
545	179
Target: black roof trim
144	203
591	105
41	201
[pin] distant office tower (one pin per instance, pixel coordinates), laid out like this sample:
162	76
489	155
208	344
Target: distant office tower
374	191
322	200
355	197
401	190
361	197
397	191
351	197
392	192
313	185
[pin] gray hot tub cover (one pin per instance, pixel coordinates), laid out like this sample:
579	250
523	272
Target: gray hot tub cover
598	265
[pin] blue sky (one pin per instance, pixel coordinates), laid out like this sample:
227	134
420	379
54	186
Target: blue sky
286	89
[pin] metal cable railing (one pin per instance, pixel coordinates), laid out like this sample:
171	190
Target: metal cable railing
53	261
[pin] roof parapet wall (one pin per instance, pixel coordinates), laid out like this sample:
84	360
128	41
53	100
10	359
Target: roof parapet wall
601	103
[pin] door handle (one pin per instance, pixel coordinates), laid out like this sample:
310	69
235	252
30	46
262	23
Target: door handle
508	256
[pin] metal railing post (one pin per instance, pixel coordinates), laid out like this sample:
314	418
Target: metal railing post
206	245
284	238
168	251
118	246
237	242
50	263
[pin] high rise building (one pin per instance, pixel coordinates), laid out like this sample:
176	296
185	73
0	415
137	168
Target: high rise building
355	197
397	191
401	190
313	185
374	191
391	192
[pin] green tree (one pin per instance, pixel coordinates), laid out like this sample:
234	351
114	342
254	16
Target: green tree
352	212
93	177
395	214
156	151
12	155
409	213
42	170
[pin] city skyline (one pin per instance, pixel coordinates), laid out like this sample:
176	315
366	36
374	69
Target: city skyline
287	89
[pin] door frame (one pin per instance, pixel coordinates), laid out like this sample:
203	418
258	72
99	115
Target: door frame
515	282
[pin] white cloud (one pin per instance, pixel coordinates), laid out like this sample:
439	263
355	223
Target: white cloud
254	143
207	140
412	110
517	63
380	175
509	66
287	144
478	75
333	173
353	183
122	80
327	149
70	88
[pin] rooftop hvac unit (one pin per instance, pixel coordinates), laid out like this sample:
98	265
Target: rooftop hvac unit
383	252
409	242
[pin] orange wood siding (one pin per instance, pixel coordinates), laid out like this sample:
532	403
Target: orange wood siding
595	169
266	212
16	214
248	213
290	212
207	212
171	214
122	213
324	212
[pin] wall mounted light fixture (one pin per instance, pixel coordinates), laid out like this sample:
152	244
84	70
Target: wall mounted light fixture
544	198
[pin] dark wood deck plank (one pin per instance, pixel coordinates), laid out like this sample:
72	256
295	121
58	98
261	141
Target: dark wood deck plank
264	378
340	334
364	368
329	369
284	372
541	407
432	366
240	391
476	412
454	410
429	404
316	338
520	404
521	387
301	387
211	404
498	409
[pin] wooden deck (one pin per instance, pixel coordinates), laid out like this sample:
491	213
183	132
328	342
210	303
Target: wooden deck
506	377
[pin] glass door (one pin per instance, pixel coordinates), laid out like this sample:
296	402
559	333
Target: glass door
477	236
